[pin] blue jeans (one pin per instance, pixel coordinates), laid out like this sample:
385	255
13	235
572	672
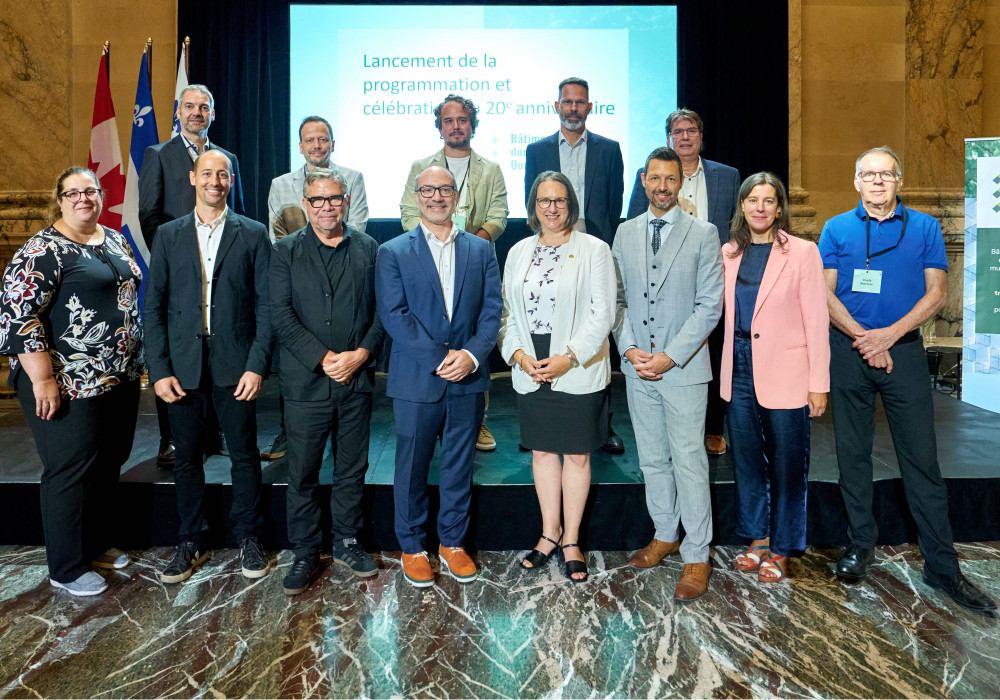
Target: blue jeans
770	449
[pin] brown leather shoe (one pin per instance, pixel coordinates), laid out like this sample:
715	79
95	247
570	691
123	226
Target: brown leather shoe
715	444
417	570
694	581
458	563
652	553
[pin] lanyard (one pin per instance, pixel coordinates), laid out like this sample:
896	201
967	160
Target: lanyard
464	179
868	241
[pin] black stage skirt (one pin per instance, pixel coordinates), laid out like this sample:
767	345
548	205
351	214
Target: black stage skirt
554	421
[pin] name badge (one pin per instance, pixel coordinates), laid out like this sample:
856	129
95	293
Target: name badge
869	281
459	220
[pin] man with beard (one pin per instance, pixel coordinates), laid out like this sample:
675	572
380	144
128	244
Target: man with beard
594	165
166	193
481	200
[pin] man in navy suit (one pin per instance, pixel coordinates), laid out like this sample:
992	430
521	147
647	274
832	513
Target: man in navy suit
593	164
208	343
166	193
709	193
437	290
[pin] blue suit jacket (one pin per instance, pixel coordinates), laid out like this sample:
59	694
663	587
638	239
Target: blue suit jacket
723	184
411	306
603	183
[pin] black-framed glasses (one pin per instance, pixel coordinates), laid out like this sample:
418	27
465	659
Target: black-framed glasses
428	191
335	200
74	195
690	131
886	175
545	202
568	104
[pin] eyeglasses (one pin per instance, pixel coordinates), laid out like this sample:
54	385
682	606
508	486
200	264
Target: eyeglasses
427	191
334	200
579	104
886	175
690	131
544	202
74	195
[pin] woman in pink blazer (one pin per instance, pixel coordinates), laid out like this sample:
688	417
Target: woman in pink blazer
775	372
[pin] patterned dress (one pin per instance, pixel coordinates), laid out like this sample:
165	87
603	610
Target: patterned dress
78	302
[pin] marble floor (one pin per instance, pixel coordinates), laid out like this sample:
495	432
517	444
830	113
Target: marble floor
510	634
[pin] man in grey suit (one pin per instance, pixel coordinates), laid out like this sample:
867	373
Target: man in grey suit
285	214
670	286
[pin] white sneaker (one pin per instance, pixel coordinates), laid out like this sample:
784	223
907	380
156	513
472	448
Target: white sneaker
114	558
91	583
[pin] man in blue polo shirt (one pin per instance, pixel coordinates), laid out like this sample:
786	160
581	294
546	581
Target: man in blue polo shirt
886	273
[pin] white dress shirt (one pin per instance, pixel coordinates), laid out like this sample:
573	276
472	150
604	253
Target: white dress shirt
209	235
573	164
443	253
670	217
695	192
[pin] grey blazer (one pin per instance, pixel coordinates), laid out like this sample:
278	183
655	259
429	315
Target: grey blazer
677	316
286	193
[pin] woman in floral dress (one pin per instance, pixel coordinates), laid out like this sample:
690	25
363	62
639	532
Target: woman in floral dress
69	321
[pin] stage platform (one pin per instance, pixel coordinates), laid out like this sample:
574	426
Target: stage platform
505	512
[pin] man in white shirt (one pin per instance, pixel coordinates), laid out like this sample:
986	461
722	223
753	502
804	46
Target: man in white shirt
437	289
481	202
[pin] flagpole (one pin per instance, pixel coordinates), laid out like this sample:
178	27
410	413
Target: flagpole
187	55
107	64
149	60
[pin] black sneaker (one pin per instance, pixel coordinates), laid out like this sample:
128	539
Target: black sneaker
279	448
298	577
186	557
351	554
255	563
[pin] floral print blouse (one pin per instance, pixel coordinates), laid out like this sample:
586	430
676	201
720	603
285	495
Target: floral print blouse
540	288
78	302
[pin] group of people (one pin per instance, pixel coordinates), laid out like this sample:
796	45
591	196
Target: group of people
704	282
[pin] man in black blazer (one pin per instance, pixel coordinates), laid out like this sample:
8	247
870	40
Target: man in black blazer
593	164
166	193
602	174
709	193
324	318
208	342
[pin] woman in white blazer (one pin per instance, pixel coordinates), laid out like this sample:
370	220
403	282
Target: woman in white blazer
559	305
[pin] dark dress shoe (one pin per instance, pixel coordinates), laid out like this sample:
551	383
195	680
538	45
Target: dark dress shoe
165	456
614	445
853	565
958	588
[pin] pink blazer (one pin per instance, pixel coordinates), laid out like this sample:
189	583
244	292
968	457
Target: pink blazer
790	330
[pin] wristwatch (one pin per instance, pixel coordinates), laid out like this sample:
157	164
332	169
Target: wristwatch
573	362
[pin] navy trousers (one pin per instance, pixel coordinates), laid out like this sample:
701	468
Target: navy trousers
770	449
456	419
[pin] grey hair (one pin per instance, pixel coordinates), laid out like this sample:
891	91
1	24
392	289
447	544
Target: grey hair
880	149
323	174
202	89
416	181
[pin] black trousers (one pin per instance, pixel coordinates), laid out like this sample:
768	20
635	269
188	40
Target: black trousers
909	409
82	450
238	420
715	412
344	420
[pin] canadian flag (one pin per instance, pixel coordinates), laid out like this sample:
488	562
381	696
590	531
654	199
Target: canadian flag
105	151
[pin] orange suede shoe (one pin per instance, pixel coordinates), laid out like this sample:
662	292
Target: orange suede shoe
458	563
417	570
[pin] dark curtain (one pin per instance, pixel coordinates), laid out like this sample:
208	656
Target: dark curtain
732	69
240	51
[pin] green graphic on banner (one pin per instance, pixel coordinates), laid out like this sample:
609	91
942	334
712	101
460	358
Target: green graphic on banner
988	280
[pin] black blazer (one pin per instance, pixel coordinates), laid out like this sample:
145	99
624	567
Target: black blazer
604	185
241	323
302	306
165	190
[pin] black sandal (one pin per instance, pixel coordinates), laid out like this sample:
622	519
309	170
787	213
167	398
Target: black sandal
575	567
537	558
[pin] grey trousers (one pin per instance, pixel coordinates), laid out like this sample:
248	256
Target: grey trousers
669	423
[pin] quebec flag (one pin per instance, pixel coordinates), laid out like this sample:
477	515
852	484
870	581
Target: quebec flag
144	134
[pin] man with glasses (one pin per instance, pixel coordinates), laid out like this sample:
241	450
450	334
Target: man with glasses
594	165
438	294
481	204
886	275
324	318
709	193
286	213
166	193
